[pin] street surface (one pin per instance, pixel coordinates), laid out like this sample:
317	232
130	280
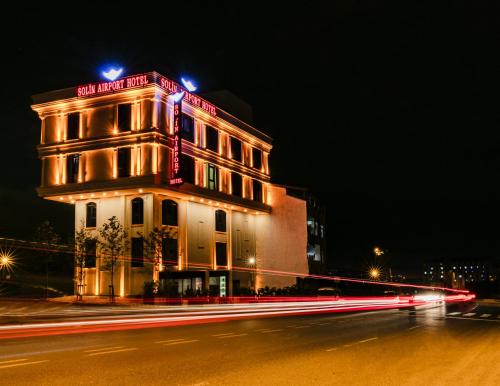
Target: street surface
440	345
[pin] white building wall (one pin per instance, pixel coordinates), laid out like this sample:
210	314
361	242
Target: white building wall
281	239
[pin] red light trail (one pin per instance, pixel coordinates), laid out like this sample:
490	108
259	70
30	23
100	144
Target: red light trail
264	308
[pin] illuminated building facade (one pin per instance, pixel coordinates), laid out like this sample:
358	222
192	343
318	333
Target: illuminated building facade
146	150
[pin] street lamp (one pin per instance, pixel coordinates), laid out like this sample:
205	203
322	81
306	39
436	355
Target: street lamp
6	261
251	262
374	273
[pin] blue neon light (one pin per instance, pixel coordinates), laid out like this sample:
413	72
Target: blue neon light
189	84
112	73
178	96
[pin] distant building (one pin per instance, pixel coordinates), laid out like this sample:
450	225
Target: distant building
148	151
458	274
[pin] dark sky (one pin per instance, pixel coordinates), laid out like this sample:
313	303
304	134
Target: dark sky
387	111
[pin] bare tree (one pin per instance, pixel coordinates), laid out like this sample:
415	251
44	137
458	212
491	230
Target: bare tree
113	243
83	240
153	247
45	233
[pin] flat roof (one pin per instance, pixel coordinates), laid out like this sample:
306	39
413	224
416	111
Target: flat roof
143	80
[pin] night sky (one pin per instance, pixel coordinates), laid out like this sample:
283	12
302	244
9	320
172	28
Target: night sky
387	111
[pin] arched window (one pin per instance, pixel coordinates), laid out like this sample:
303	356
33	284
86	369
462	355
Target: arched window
91	215
220	221
169	212
137	211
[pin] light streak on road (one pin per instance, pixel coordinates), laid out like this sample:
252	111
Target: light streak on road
218	313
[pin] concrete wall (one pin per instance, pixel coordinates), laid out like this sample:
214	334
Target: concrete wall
281	239
277	241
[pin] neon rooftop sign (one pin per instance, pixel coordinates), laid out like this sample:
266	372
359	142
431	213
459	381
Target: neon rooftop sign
144	80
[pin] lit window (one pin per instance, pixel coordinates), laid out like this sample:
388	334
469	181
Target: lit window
212	177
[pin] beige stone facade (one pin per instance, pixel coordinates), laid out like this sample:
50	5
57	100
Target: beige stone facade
99	151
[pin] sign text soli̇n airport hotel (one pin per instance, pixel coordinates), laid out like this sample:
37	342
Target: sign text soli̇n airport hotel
148	151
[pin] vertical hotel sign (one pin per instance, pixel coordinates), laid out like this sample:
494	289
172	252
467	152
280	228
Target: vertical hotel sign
176	177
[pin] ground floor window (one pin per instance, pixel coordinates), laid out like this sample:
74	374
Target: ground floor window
221	254
137	252
169	251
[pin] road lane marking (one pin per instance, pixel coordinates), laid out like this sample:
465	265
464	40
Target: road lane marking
414	327
12	361
453	313
485	315
276	330
169	341
181	342
331	349
22	364
469	314
476	319
104	349
227	333
323	324
231	336
302	326
111	352
367	340
360	341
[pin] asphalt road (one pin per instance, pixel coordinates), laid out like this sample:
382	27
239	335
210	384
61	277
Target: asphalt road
457	345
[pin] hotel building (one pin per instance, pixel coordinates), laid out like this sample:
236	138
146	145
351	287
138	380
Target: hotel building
114	149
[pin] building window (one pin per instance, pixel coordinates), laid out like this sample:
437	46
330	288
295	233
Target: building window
91	218
236	184
235	149
187	167
124	162
212	177
257	190
257	158
137	252
90	253
212	137
221	254
169	251
72	163
124	117
169	213
220	221
137	211
187	126
73	129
